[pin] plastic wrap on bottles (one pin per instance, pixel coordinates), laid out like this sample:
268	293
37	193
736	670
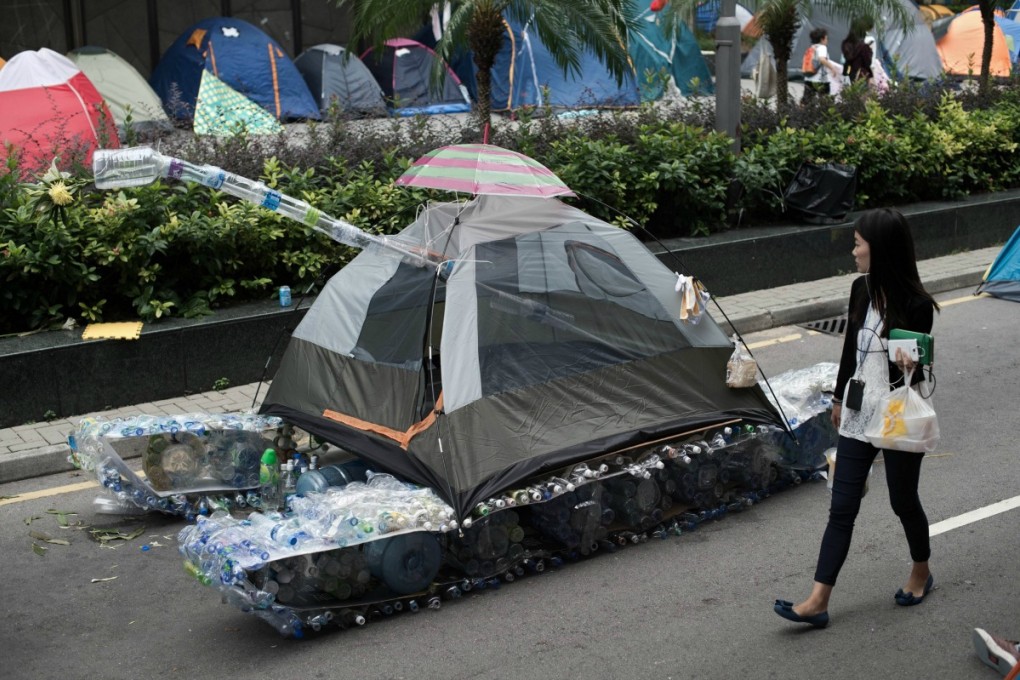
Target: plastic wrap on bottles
184	457
805	398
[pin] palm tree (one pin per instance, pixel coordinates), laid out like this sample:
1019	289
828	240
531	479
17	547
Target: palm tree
987	9
780	19
566	27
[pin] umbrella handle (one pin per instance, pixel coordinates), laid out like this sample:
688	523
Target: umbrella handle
138	166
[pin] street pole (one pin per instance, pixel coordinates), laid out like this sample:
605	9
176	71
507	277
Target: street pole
727	73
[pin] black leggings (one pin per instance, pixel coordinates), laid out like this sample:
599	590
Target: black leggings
902	472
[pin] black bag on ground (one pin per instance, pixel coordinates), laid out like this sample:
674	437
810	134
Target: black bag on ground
822	193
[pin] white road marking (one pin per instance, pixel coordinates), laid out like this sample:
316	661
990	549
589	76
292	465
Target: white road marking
973	516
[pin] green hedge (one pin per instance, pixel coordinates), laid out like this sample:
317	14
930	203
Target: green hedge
67	250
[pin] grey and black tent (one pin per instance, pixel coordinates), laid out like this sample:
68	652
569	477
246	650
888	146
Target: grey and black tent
334	74
1002	279
547	337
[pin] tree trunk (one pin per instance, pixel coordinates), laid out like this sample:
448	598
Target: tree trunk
988	19
782	86
485	37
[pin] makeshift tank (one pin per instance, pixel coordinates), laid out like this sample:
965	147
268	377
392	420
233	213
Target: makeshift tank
506	384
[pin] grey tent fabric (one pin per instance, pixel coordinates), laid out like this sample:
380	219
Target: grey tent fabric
912	53
123	88
335	75
547	336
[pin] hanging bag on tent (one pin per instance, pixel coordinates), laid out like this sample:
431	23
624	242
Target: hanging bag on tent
821	193
904	421
741	369
809	65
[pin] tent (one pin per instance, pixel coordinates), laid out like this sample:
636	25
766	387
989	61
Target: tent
525	74
1003	276
1011	32
910	53
123	88
549	337
403	68
223	111
960	40
933	13
707	14
651	51
240	55
50	108
335	75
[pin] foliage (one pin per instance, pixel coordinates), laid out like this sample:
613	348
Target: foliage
178	250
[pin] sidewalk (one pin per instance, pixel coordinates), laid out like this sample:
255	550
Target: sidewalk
41	448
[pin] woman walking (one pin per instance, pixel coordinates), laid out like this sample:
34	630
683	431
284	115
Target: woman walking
888	295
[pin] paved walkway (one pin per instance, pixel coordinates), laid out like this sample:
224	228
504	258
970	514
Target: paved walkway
41	448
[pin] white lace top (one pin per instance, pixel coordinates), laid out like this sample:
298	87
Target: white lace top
873	369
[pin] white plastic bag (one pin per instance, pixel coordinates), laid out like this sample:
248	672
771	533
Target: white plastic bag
904	421
741	369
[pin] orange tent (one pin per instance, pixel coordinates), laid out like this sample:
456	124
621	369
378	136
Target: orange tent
960	48
2	62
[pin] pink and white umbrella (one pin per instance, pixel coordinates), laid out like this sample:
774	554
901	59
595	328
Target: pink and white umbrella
483	169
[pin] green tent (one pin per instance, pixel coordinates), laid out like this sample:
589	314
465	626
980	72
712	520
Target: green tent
123	88
223	111
652	51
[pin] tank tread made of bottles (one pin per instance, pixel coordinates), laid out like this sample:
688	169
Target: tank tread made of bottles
371	549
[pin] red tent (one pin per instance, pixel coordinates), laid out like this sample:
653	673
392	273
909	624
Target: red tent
50	108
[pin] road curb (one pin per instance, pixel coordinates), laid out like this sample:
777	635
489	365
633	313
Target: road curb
52	459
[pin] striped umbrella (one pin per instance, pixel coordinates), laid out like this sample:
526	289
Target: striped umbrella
483	169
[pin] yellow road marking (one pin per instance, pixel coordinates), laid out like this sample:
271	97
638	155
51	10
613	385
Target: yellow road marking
969	298
775	341
43	493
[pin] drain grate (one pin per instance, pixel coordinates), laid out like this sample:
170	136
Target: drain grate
833	326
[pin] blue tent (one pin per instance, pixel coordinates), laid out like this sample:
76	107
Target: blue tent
1011	30
240	55
525	74
1003	277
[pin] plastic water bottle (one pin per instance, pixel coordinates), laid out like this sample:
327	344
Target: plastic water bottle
126	168
317	481
269	480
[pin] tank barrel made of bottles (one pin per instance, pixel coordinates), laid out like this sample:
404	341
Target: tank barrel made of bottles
141	165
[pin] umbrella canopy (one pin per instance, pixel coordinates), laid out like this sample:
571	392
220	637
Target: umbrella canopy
483	169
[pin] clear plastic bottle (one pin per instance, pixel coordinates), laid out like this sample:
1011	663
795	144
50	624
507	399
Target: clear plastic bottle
127	168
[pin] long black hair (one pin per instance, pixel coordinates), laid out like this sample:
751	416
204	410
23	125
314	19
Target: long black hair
892	280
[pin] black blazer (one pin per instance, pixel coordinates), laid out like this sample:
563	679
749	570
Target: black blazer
920	313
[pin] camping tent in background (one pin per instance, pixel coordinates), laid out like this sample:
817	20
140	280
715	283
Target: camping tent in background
461	62
707	15
524	72
123	88
559	338
50	108
240	55
223	111
933	13
1003	276
403	69
910	53
335	75
1011	31
651	51
960	40
2	62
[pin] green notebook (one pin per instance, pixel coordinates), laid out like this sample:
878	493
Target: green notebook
925	344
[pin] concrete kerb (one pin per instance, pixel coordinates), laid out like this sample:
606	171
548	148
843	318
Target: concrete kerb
53	459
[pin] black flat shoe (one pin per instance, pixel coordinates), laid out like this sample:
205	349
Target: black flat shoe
785	609
905	599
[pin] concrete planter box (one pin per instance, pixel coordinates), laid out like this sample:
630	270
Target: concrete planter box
57	372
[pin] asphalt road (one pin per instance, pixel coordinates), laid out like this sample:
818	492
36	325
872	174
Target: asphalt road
697	606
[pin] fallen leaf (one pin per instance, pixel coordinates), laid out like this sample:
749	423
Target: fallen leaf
102	580
58	541
231	630
40	535
39	550
29	520
54	511
6	498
